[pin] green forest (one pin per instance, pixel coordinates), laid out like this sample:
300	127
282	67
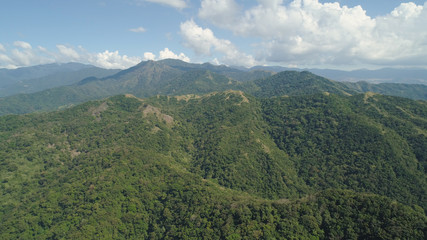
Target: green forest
329	163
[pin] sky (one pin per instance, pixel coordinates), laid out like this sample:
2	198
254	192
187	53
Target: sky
337	34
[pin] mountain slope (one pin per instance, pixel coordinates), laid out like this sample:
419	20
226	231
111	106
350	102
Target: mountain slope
34	79
231	72
209	166
358	143
297	83
230	145
198	82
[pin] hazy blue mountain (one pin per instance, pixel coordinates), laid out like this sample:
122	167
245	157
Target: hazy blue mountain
384	75
8	76
41	77
413	91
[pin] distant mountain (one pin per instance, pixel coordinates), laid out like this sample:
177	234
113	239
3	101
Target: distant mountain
174	77
297	83
41	77
223	165
9	76
414	91
304	83
385	75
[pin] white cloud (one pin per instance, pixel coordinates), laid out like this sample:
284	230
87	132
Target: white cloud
179	4
407	10
25	55
2	49
199	39
6	61
68	53
42	49
22	55
307	32
149	56
138	30
202	41
109	59
224	11
22	44
165	54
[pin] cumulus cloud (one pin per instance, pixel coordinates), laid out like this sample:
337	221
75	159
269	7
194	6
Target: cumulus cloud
407	10
149	56
113	59
138	30
67	52
165	54
25	55
202	41
22	44
224	11
310	32
179	4
6	62
2	48
22	55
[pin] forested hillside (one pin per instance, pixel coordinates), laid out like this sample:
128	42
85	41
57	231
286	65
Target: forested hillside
223	165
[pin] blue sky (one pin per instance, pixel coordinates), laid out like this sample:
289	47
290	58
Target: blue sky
341	34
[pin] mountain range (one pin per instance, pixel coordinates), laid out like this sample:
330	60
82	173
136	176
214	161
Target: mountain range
175	77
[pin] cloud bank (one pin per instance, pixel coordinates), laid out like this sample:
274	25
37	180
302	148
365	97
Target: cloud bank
307	32
22	54
203	41
165	54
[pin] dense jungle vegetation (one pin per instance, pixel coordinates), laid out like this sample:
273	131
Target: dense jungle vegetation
224	165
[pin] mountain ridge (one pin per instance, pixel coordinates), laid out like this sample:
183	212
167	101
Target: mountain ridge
151	78
383	75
